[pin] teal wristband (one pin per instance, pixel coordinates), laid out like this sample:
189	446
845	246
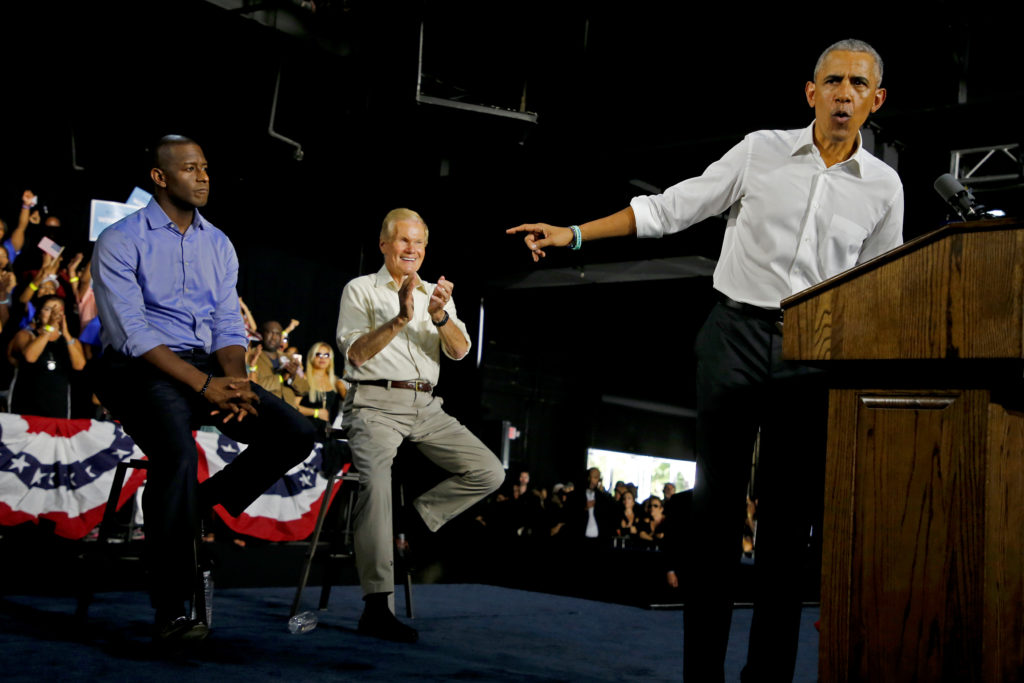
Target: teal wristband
577	238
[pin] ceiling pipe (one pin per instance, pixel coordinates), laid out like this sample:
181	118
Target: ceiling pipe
298	154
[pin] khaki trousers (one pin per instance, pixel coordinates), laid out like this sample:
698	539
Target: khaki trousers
378	420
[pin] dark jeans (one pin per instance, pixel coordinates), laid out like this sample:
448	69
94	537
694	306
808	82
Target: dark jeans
160	413
742	385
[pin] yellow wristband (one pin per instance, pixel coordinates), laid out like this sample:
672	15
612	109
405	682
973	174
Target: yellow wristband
48	328
316	413
280	379
73	280
253	368
33	286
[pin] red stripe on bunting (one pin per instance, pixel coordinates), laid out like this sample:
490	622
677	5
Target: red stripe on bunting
271	529
55	426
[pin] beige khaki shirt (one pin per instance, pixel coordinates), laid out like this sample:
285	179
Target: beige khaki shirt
415	353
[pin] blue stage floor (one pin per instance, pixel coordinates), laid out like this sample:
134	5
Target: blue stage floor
467	632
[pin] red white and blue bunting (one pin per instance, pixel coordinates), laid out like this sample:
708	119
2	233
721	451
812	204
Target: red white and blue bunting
62	470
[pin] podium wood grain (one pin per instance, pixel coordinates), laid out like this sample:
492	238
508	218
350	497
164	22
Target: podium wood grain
923	543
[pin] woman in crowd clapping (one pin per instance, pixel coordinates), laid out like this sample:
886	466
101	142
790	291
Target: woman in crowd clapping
44	354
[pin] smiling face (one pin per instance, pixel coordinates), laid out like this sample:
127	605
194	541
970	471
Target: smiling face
404	252
182	174
844	92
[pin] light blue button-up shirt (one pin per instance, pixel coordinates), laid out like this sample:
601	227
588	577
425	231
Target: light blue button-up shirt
155	285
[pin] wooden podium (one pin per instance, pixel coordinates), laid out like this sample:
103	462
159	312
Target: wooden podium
923	559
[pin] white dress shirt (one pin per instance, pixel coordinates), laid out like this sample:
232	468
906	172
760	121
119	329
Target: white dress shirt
592	530
793	222
415	353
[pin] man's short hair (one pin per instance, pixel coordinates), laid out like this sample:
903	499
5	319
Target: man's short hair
165	142
851	45
387	229
265	325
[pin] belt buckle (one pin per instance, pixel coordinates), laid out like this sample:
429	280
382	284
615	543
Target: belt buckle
417	384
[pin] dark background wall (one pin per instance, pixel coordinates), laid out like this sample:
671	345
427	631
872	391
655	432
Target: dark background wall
643	91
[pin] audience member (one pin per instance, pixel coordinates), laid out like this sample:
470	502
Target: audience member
286	348
44	354
326	391
631	487
591	511
7	284
14	242
271	369
555	512
251	329
522	484
618	490
629	518
650	530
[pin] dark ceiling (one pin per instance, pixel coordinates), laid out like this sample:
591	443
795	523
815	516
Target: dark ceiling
625	95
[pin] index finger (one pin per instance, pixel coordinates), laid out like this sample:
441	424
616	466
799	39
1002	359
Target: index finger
525	227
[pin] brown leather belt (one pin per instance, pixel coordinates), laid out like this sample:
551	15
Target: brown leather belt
415	385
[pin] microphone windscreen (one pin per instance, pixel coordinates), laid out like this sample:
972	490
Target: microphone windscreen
948	187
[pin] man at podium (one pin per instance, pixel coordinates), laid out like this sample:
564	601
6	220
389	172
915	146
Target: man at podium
803	205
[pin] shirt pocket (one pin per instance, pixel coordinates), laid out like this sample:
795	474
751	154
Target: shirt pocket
840	244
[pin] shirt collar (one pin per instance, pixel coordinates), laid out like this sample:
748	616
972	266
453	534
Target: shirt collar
805	145
384	279
156	217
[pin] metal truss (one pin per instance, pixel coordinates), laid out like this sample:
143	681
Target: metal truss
966	165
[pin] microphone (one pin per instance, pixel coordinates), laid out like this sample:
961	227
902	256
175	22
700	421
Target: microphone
957	196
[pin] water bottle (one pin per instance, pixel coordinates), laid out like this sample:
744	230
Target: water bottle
303	622
207	598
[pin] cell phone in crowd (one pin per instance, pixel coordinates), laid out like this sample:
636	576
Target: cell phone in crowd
50	247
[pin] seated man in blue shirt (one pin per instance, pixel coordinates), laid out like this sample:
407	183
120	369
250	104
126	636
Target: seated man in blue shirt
175	359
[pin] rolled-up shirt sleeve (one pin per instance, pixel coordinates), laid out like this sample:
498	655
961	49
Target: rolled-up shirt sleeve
119	298
695	199
355	316
228	328
454	318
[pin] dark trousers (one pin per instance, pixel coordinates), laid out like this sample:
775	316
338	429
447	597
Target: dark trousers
743	385
160	413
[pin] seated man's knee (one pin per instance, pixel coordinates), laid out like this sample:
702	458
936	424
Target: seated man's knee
493	476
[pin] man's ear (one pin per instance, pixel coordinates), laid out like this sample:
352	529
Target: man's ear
809	91
157	175
879	99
